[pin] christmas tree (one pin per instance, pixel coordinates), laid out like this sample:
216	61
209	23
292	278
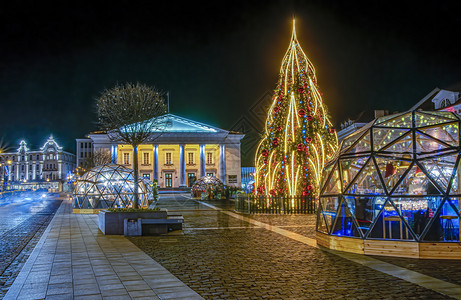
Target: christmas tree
299	137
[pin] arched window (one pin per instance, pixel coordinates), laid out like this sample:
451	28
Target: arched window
445	103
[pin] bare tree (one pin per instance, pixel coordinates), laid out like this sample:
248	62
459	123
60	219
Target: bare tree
129	114
97	158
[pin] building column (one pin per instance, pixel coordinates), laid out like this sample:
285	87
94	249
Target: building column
113	152
155	163
222	163
202	160
182	166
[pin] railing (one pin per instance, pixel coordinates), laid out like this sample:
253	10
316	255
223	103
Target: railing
252	204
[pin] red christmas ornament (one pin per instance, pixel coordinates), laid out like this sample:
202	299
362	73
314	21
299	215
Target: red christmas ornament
265	153
279	128
275	141
276	109
309	139
310	187
310	117
300	147
305	193
301	113
332	130
301	90
272	192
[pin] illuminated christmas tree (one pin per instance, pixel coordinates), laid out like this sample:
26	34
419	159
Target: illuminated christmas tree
299	136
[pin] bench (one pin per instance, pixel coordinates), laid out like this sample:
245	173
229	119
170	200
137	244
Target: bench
137	227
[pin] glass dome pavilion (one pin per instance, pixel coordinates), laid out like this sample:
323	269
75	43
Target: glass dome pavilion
396	179
110	186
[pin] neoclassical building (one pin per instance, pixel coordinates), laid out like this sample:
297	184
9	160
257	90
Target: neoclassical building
26	168
180	152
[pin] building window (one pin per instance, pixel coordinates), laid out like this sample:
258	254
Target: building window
209	158
190	158
445	103
126	158
22	158
146	175
146	158
168	180
81	154
168	158
38	157
210	174
37	167
30	157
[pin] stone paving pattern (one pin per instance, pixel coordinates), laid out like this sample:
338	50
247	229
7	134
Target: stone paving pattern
248	262
18	242
74	260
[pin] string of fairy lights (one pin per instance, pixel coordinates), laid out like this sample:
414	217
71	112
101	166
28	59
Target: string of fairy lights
299	136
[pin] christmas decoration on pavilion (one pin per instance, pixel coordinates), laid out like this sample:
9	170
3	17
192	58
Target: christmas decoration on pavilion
299	137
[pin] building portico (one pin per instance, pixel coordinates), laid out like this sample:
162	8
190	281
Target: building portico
180	152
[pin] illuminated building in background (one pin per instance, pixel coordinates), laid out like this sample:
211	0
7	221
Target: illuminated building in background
180	152
299	136
43	168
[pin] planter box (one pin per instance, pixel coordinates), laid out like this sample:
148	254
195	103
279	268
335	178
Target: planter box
113	222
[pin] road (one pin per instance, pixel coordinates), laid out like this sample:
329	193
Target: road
23	218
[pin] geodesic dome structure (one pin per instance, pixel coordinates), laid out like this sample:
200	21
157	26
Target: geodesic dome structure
397	179
110	186
207	184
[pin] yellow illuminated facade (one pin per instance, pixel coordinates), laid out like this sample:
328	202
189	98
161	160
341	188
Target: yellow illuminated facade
183	151
299	137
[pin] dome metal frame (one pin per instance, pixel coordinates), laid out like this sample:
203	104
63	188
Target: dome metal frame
395	179
110	186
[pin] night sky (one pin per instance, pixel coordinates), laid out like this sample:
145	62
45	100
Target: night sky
216	60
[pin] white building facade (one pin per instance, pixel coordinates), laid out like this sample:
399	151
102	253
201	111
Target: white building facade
183	151
29	168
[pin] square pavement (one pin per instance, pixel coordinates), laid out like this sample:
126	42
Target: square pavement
74	260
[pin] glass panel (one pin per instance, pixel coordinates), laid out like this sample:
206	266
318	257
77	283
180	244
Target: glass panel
390	226
404	144
367	182
350	167
333	185
382	120
440	169
417	212
433	118
345	223
445	226
350	140
326	173
446	133
365	210
425	144
382	137
363	145
321	221
402	121
330	207
455	183
416	183
391	170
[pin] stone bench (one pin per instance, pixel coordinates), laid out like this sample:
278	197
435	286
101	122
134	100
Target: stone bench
141	226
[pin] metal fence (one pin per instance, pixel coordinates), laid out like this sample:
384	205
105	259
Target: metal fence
252	204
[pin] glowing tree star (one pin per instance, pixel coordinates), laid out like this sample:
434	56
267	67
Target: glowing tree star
299	136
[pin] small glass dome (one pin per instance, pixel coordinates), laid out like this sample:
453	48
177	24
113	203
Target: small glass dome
395	179
210	185
110	186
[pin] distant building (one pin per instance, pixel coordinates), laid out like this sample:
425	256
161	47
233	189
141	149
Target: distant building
361	120
182	151
47	167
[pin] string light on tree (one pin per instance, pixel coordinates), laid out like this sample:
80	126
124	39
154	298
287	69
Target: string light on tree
299	137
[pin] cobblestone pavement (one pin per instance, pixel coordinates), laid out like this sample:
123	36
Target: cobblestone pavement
22	223
222	257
